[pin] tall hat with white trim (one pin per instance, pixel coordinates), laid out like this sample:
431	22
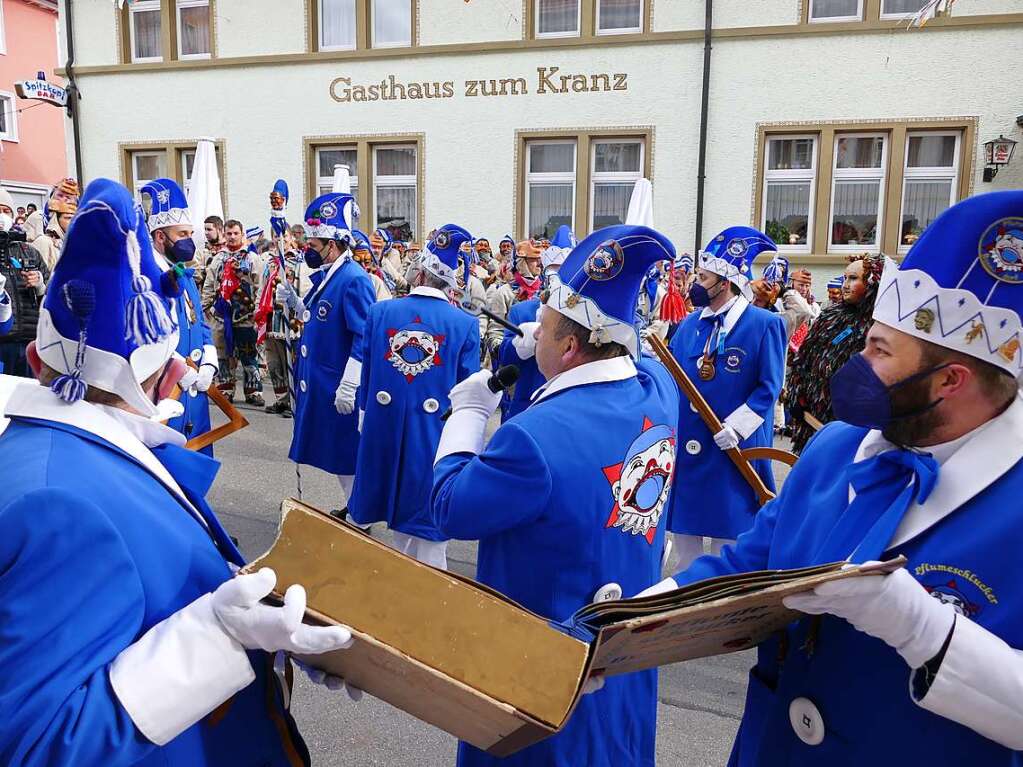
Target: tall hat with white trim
601	278
836	283
440	256
562	244
167	204
777	269
731	253
107	320
331	216
961	284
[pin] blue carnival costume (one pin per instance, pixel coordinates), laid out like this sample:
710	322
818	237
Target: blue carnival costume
736	358
568	494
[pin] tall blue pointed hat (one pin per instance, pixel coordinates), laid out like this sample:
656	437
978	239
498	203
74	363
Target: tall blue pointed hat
360	241
777	269
440	256
560	247
836	283
279	207
601	279
108	320
961	284
167	204
731	253
331	216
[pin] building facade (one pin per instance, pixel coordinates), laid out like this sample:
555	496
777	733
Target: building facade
830	124
32	146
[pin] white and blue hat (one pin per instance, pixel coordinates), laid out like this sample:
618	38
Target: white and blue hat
331	216
731	253
836	283
684	261
961	284
107	320
168	206
601	278
440	256
777	269
278	216
562	244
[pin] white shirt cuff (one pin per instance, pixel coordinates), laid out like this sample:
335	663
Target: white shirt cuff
744	421
463	433
209	356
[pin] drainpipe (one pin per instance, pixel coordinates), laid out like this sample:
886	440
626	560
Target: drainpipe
704	108
73	94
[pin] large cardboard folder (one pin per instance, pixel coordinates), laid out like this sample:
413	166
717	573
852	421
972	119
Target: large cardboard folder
464	658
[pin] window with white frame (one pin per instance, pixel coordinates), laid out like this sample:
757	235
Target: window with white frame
145	31
557	18
8	117
392	23
329	156
835	10
900	9
857	192
187	166
616	166
146	166
550	187
193	29
3	31
929	181
790	178
337	25
618	16
395	193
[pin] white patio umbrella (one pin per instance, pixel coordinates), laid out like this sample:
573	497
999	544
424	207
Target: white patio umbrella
204	190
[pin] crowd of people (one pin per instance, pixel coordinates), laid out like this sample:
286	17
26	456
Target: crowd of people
137	642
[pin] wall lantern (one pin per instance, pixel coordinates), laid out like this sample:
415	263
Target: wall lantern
997	152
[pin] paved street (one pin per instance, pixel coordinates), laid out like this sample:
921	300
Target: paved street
700	702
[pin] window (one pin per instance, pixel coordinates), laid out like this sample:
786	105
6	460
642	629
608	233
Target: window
145	31
8	117
857	194
327	158
931	180
193	29
900	9
617	16
835	10
146	166
616	167
337	25
144	162
550	187
394	190
557	18
3	31
392	23
790	177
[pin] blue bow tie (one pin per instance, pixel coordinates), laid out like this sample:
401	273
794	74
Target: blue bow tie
886	486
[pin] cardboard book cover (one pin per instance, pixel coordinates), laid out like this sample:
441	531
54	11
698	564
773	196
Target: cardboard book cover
462	657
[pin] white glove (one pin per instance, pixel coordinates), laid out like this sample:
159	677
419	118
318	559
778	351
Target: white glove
894	608
331	682
525	346
208	367
285	294
727	438
472	404
256	626
189	379
344	397
474	395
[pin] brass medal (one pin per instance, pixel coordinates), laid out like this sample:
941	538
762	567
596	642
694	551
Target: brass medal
706	369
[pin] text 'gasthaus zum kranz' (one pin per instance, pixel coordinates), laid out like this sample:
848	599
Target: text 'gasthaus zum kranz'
549	80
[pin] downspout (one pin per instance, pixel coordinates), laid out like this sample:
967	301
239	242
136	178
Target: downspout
704	108
73	94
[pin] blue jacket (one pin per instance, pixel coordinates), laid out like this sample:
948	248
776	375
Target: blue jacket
567	497
335	315
962	544
95	551
414	350
530	377
747	381
194	334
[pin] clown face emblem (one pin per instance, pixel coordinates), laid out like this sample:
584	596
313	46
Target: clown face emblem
641	483
413	349
328	210
1001	250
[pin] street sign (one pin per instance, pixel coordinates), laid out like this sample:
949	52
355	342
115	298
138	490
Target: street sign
42	90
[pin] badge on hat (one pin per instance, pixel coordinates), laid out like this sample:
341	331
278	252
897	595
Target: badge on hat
730	254
167	204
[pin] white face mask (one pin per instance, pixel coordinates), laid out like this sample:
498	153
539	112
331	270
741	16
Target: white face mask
6	222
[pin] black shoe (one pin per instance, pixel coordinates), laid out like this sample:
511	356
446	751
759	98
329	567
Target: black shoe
254	399
278	407
341	514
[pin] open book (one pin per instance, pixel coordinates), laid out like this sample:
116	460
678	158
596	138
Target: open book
464	658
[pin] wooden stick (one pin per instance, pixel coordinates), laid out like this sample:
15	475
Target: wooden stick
713	423
813	422
236	421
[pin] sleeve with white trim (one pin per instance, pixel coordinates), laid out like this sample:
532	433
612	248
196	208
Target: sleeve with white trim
749	416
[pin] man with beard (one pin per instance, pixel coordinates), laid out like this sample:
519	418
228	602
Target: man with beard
837	334
567	496
922	666
213	228
414	351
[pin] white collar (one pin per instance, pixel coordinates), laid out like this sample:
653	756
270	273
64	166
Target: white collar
969	465
150	433
732	310
601	371
330	270
428	292
121	431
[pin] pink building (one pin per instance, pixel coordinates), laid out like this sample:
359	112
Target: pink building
33	156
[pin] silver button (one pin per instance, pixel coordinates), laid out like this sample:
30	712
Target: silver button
608	592
693	447
301	385
383	398
306	315
196	355
431	405
806	721
304	350
693	408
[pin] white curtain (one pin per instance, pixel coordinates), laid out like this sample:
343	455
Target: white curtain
337	23
619	14
788	205
610	204
903	6
823	9
396	209
855	212
558	16
147	34
392	22
550	206
924	201
195	30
